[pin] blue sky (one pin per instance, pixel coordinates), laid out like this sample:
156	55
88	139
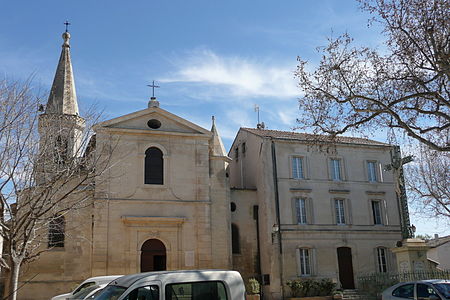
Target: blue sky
209	57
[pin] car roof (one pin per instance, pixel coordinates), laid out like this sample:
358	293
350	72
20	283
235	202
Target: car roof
435	281
102	278
431	281
128	280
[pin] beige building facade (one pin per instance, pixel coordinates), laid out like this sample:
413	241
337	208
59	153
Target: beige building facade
162	201
326	209
278	206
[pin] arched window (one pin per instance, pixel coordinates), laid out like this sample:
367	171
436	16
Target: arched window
56	232
154	166
61	150
235	245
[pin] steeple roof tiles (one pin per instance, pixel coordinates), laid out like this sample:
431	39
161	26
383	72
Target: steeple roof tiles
63	97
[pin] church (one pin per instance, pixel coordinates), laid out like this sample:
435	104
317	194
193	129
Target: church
277	206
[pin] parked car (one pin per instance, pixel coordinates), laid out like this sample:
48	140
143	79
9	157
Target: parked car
437	289
87	283
176	285
88	293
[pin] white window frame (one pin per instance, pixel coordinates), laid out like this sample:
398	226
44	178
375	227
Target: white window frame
339	211
301	210
380	210
305	261
336	169
372	171
382	259
298	168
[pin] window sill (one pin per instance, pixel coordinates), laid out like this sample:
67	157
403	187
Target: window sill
57	249
154	186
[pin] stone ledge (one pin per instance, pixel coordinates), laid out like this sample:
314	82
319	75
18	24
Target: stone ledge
380	193
131	220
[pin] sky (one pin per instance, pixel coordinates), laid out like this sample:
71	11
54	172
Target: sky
209	57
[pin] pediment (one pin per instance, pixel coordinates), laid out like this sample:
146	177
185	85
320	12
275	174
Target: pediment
162	121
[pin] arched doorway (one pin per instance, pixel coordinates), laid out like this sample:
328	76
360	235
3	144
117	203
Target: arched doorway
153	256
345	263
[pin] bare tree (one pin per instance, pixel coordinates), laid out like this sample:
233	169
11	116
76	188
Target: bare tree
428	182
403	87
40	180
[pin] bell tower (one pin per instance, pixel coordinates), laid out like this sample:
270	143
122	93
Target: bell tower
60	126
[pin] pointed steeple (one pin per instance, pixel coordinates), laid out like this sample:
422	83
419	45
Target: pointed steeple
217	148
63	98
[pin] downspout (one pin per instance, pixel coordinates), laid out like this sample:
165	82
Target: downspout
258	249
277	211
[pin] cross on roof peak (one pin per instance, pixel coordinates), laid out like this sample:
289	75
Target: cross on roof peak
153	86
67	25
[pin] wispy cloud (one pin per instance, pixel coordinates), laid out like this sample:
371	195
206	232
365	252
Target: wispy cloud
241	77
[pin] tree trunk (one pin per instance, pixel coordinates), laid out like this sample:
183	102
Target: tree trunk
13	281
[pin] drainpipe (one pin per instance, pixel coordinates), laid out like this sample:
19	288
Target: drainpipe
277	211
258	249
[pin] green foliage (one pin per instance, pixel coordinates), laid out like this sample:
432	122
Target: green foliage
253	286
311	287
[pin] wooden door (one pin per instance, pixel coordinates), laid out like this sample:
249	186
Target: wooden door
345	267
153	256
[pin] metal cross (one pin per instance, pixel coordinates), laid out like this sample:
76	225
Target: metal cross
153	86
67	25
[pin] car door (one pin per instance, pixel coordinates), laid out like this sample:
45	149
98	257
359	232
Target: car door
403	292
148	291
426	292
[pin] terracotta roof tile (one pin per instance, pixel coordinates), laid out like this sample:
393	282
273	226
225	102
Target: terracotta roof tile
300	136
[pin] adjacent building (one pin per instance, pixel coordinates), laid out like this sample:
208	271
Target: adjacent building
322	208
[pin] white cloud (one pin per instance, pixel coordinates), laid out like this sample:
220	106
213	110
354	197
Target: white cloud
288	115
242	77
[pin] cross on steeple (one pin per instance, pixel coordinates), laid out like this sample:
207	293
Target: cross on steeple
67	25
153	86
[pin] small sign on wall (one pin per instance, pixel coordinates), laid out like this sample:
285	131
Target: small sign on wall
189	258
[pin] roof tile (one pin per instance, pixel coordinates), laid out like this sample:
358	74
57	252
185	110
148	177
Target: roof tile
300	136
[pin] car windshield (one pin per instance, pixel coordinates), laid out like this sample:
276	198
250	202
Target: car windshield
111	292
84	292
83	286
443	288
94	294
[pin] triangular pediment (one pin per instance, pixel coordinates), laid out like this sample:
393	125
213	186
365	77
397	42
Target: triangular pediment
154	119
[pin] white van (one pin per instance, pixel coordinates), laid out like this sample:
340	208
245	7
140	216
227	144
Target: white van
176	285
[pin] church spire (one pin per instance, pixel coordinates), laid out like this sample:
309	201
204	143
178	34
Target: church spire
217	147
63	98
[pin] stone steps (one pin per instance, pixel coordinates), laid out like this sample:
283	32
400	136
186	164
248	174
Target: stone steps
352	295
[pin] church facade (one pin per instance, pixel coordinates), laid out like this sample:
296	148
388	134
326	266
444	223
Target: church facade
161	203
171	197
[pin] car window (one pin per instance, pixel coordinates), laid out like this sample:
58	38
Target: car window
207	290
443	288
84	292
424	291
83	286
404	291
144	293
111	292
